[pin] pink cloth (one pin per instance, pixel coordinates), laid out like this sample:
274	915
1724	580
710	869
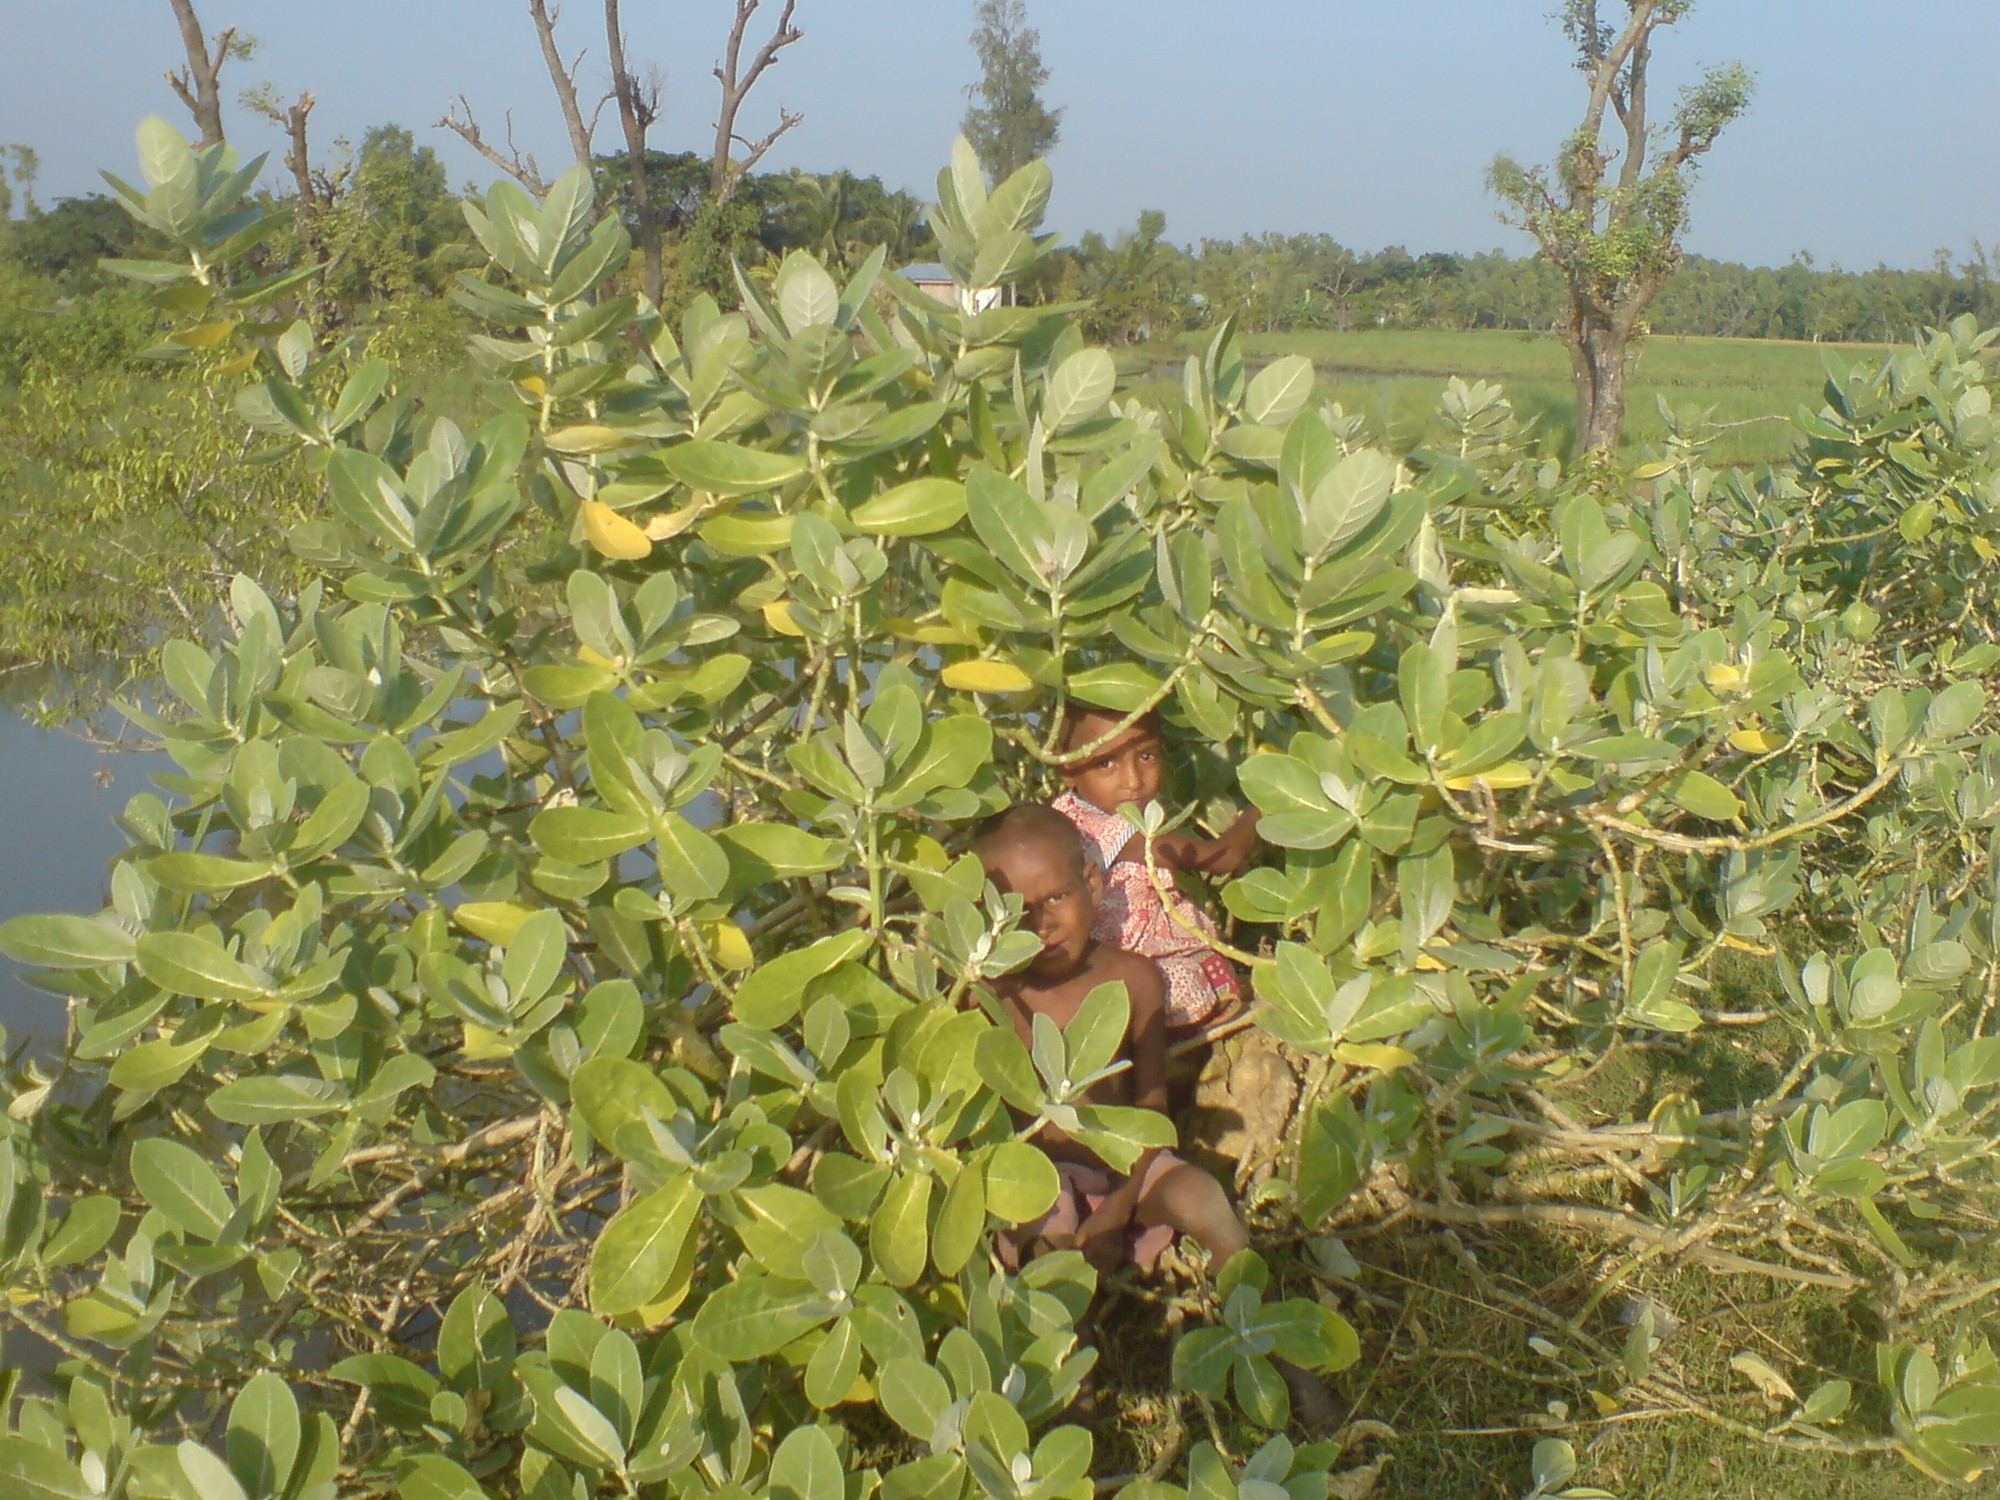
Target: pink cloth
1082	1193
1200	981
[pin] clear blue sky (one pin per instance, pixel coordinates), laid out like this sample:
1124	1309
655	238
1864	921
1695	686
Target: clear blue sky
1370	120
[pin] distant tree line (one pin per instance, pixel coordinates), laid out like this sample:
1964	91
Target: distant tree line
1143	285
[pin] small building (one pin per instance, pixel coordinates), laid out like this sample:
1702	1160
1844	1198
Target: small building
935	281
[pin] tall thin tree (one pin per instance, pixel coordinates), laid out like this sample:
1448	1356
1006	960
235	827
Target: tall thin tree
1617	238
1007	122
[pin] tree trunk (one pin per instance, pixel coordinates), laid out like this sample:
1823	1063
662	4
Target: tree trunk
1597	350
200	87
636	113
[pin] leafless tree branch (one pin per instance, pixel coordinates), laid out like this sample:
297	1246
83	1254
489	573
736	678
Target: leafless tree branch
638	108
737	81
564	79
522	168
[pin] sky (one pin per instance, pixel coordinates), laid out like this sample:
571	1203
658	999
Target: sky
1371	121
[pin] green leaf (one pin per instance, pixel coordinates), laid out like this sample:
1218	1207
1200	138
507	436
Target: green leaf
1704	796
913	1395
773	993
636	1255
432	1476
204	874
807	1466
614	1093
1021	1182
272	1100
183	963
182	1186
961	1221
898	1234
693	866
1279	391
586	835
63	942
918	508
263	1436
720	468
1123	687
86	1229
1079	388
28	1471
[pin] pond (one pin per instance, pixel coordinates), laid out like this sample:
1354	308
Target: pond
58	797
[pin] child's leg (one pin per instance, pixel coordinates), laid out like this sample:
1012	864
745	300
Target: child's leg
1194	1203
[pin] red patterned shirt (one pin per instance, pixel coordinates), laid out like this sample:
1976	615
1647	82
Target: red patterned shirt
1199	980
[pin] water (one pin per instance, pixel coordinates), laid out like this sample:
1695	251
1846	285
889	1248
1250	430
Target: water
58	796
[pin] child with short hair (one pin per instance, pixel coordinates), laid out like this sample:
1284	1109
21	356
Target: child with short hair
1129	766
1037	854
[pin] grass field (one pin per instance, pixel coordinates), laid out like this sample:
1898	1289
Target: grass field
1395	377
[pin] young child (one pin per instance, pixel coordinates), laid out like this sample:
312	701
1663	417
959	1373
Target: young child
1203	987
1037	854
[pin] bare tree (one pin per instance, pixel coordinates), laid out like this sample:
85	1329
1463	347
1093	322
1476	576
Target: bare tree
737	80
1616	241
517	164
200	85
638	108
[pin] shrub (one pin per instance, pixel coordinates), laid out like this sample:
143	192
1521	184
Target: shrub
531	1053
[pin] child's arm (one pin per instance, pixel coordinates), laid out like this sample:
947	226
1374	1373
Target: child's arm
1224	855
1101	1236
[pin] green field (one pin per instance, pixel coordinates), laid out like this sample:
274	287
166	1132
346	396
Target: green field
1395	377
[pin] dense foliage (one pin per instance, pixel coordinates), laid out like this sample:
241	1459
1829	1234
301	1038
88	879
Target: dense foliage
532	1048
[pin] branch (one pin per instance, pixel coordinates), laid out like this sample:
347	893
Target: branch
521	168
737	82
564	80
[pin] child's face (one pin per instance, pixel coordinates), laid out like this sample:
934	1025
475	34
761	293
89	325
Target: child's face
1059	891
1131	768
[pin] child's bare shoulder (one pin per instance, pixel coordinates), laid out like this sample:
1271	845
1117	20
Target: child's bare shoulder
1145	985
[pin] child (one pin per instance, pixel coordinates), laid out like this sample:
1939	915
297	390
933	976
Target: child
1202	986
1038	855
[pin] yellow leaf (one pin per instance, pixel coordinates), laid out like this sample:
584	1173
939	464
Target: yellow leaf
534	385
237	364
495	921
611	534
586	437
206	335
1500	778
1653	471
591	656
729	946
987	677
1723	677
778	615
1431	964
482	1045
672	523
929	635
1377	1055
1744	945
1757	741
1606	1407
1758	1371
1985	549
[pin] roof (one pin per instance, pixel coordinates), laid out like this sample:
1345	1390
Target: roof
929	273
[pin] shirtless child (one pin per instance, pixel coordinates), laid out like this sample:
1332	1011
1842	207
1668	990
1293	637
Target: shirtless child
1037	854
